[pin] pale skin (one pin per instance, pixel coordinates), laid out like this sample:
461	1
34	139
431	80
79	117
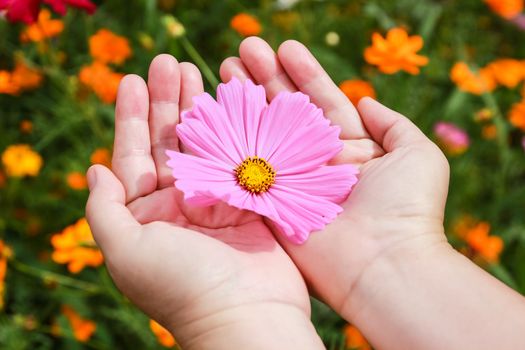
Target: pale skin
220	278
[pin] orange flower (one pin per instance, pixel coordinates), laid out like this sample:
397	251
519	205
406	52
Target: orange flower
107	47
506	8
396	52
83	329
44	28
467	80
507	71
489	132
7	85
245	24
354	339
488	247
21	78
24	77
5	253
102	80
356	89
76	247
517	115
21	160
163	335
76	180
26	126
101	156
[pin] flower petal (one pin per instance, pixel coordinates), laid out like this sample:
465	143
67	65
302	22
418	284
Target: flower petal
244	105
301	213
210	117
294	136
330	182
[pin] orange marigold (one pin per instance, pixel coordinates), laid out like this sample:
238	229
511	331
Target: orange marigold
507	71
76	180
517	115
489	132
356	89
488	247
397	51
354	339
506	8
102	80
76	247
7	86
44	28
25	77
5	253
21	160
469	81
101	156
83	329
108	47
26	126
163	335
245	24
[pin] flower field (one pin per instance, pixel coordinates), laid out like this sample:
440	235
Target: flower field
456	68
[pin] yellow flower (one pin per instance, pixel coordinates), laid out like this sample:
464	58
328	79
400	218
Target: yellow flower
76	247
163	335
397	51
21	160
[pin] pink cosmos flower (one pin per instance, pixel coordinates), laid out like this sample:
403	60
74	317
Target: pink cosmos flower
454	140
267	158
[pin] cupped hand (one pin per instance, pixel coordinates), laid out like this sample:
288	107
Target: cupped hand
197	271
398	204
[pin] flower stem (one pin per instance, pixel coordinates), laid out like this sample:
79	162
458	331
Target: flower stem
201	63
49	276
505	154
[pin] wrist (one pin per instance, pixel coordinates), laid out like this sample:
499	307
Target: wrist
390	267
260	326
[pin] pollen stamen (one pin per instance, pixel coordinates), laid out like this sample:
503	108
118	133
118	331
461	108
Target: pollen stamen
255	175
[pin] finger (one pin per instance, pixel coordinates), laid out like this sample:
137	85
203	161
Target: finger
388	128
164	85
111	222
262	63
191	84
358	152
233	67
310	78
132	161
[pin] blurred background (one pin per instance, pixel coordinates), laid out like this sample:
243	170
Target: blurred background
455	67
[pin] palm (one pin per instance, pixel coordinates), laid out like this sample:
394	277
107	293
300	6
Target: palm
394	179
217	252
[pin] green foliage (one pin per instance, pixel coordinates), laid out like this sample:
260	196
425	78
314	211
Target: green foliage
69	123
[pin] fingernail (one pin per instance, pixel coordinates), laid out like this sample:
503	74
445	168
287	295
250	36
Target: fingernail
91	178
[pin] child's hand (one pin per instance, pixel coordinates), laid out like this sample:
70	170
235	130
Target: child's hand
215	277
397	205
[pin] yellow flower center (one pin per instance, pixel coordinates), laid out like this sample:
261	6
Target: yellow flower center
255	174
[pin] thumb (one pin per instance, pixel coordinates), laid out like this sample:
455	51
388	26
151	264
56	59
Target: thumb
110	220
388	128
